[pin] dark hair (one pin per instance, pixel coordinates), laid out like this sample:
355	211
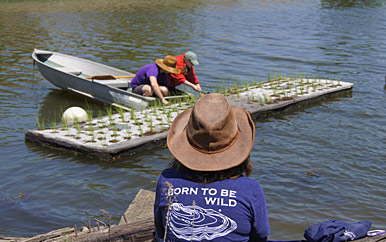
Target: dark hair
244	169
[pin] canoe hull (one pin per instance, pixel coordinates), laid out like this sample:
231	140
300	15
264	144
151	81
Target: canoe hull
70	73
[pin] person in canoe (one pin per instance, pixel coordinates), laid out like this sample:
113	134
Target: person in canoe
206	194
187	76
152	79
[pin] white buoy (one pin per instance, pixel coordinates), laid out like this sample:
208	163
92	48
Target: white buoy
74	113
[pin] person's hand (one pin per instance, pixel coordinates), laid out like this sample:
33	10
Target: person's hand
197	88
164	101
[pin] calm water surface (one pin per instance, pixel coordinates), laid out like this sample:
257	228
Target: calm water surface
326	161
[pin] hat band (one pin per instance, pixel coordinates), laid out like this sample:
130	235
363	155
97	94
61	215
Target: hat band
214	151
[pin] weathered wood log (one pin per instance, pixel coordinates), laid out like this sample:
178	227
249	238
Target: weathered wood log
377	238
141	208
51	235
9	239
140	231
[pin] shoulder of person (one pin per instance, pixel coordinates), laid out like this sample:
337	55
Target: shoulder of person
250	183
152	69
171	173
148	66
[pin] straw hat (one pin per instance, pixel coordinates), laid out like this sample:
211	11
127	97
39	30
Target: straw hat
212	136
168	64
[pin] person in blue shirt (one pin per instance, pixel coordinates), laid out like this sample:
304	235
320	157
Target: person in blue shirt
152	79
205	194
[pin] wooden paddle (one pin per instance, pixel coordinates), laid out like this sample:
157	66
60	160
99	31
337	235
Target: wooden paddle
108	77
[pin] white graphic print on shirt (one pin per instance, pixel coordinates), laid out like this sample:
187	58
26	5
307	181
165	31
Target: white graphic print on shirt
194	223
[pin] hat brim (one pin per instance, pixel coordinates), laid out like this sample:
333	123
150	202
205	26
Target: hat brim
190	157
194	62
161	64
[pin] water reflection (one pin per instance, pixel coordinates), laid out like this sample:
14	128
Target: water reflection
351	3
57	101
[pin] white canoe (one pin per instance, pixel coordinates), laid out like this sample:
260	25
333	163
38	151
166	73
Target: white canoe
84	77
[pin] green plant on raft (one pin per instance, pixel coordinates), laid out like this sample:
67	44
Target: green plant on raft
115	131
121	112
93	138
109	111
162	127
105	144
180	102
145	115
140	130
248	100
192	100
40	123
224	92
274	92
132	114
103	124
253	98
246	87
255	82
174	109
101	137
151	127
111	123
302	83
184	101
89	115
266	100
128	133
168	115
91	126
155	111
54	126
237	87
155	104
237	90
77	126
100	114
136	122
261	102
64	124
273	76
300	76
90	119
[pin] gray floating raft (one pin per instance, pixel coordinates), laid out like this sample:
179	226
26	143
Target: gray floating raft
120	134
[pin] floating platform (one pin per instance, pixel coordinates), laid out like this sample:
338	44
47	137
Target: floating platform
113	136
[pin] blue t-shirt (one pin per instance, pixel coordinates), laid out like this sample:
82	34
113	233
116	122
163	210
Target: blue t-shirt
143	75
228	210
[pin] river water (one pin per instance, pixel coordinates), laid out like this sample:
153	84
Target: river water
325	161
